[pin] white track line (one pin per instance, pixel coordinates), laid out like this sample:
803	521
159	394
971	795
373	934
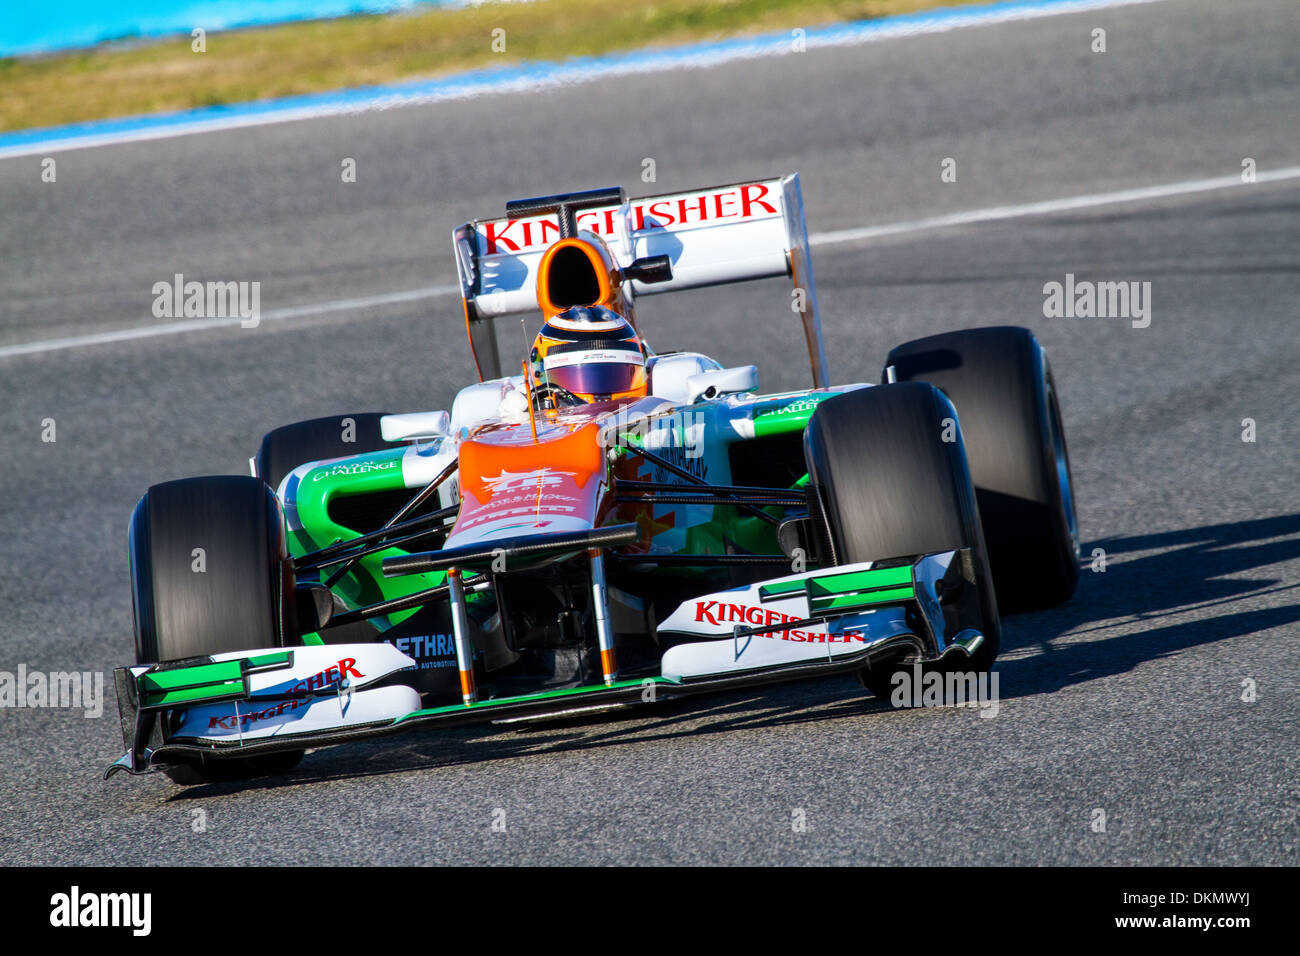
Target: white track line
972	217
200	325
1049	206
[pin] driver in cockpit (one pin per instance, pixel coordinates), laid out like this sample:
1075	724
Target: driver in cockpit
588	353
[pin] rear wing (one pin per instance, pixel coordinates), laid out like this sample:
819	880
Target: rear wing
750	230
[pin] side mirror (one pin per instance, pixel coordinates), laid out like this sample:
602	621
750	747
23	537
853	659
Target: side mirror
721	381
650	269
415	426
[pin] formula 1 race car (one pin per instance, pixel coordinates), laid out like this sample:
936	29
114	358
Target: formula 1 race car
600	525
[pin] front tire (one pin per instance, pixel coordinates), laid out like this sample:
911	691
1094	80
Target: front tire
211	574
888	484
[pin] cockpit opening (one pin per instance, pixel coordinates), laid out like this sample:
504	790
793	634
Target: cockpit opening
571	279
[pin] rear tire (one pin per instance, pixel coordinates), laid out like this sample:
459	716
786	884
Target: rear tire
1001	384
318	439
889	485
210	574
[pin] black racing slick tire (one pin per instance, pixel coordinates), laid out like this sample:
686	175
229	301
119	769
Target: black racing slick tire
210	574
1001	384
888	471
318	439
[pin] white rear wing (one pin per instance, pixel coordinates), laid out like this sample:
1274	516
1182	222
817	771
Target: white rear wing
751	230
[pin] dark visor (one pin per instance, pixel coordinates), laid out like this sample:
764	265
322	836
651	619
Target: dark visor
595	378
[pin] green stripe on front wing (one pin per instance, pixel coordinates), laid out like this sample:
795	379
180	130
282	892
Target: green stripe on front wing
846	590
782	589
850	581
180	685
219	680
195	695
847	602
276	659
851	589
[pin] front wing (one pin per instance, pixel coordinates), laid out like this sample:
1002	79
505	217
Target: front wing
809	624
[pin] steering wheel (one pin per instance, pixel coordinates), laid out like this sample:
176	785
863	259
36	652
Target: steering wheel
550	395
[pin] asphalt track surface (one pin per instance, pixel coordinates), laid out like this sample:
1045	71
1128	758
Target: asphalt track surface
1128	699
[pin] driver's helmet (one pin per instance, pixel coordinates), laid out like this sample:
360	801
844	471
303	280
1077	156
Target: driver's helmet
591	352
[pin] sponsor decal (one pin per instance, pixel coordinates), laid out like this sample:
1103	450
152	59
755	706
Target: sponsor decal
242	720
685	457
718	613
321	680
517	481
747	201
542	498
486	517
800	406
429	650
530	499
357	468
335	673
566	359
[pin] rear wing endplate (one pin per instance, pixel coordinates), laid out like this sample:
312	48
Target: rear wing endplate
750	230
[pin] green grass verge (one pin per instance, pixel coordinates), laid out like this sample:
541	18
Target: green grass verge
243	65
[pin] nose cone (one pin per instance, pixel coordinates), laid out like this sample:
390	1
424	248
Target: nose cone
513	485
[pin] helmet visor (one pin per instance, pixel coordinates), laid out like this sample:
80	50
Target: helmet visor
608	369
596	378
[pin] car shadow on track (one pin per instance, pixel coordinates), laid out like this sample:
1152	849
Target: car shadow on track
1186	572
812	701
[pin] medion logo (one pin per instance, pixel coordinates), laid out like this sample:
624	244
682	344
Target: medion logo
76	909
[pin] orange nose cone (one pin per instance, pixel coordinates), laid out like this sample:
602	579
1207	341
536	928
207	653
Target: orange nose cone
577	453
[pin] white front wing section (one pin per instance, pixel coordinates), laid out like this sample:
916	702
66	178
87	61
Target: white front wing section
342	674
716	616
243	720
761	651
